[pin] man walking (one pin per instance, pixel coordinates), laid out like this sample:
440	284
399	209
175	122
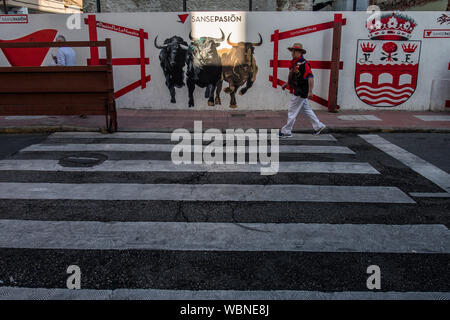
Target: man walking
301	83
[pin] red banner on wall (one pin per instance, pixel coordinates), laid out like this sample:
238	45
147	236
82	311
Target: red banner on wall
306	30
13	18
120	29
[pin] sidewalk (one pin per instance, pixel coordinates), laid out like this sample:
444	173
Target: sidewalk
168	120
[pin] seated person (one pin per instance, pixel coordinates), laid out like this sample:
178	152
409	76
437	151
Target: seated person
65	56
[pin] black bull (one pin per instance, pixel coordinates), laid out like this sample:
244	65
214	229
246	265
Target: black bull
204	67
172	58
238	68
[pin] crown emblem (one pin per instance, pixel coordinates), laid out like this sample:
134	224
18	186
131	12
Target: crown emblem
367	47
391	27
409	48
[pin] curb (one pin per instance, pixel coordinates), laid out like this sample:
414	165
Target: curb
50	129
386	130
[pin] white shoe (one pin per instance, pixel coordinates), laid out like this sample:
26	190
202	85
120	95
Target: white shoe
285	135
316	133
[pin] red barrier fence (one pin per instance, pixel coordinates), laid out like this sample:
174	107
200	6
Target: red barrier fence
142	61
334	65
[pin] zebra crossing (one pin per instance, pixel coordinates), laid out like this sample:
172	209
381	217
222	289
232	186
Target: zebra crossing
168	166
142	227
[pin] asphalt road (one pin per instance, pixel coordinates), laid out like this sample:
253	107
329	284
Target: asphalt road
143	232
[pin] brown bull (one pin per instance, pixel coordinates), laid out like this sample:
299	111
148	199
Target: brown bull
238	68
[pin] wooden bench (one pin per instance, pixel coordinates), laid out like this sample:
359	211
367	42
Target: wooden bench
59	90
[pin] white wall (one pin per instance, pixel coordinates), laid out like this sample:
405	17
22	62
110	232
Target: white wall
430	93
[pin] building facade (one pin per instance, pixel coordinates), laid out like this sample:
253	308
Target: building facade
177	5
261	5
40	6
419	5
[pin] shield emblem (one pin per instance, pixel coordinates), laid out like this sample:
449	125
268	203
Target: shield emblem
386	71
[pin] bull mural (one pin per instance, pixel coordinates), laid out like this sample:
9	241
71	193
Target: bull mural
172	58
203	66
238	68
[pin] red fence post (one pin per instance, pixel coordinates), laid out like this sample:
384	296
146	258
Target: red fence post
447	102
142	51
92	22
335	61
275	58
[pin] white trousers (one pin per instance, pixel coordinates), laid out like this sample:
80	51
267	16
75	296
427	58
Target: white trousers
300	104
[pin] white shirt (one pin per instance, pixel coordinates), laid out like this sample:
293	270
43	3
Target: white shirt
66	56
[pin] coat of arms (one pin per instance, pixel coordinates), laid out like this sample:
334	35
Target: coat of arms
387	63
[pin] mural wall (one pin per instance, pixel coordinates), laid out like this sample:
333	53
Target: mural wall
224	60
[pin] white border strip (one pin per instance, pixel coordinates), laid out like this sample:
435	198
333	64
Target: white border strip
19	293
355	117
422	167
433	118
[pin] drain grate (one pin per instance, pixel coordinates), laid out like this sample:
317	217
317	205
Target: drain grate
82	160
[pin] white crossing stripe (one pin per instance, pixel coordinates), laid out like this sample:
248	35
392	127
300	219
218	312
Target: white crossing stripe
20	293
169	166
203	192
430	194
167	135
422	167
433	118
207	236
168	148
